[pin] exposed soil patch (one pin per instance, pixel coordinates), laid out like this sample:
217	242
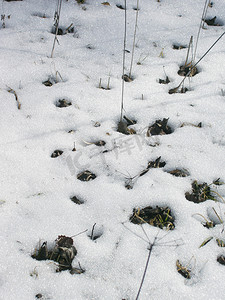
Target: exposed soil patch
63	103
120	6
128	78
56	153
160	127
40	15
51	81
86	176
179	173
129	185
164	81
63	253
123	126
153	164
184	271
100	143
90	47
159	217
176	90
221	259
178	46
185	69
156	163
105	88
208	224
63	30
77	200
200	193
71	131
213	22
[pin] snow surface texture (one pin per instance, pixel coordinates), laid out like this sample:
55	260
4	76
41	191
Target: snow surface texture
35	204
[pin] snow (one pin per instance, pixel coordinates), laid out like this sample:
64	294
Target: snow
35	204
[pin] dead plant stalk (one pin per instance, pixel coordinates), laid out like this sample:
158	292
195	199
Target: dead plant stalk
124	56
135	32
10	90
56	18
201	25
146	267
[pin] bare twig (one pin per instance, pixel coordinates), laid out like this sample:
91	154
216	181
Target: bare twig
124	50
146	267
135	31
200	26
10	90
189	47
92	232
79	233
57	16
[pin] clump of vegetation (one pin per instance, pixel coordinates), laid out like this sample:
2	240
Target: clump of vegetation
154	164
213	22
63	103
178	46
159	217
221	259
160	127
86	176
80	1
183	270
202	192
179	173
100	143
3	18
62	253
188	69
164	81
123	126
77	200
56	153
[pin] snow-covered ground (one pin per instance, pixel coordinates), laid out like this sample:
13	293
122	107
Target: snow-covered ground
36	189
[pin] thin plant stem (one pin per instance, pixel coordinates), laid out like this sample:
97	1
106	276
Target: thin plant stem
10	90
92	232
79	233
200	26
124	56
189	47
135	31
57	15
146	267
108	83
147	241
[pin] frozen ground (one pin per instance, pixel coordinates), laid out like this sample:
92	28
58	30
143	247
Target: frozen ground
35	204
